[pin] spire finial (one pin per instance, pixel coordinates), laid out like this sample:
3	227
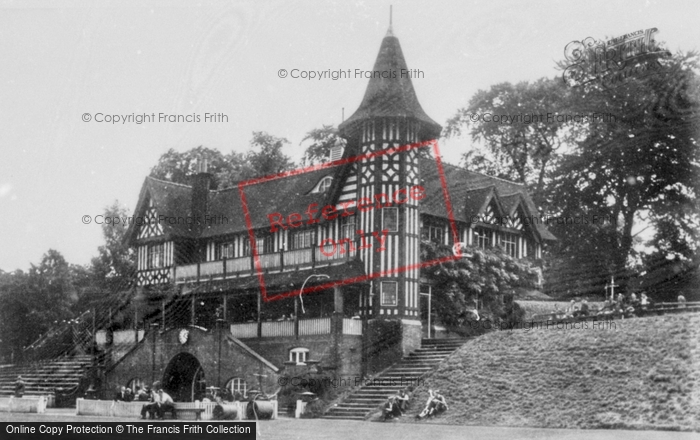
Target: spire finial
390	32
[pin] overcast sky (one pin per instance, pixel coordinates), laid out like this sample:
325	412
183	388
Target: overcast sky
60	59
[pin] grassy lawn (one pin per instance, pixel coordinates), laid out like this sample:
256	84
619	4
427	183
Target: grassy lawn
641	373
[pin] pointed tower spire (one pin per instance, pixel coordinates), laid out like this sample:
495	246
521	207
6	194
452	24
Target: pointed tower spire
390	93
390	31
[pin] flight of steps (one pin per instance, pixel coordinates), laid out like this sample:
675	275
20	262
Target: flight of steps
406	372
45	377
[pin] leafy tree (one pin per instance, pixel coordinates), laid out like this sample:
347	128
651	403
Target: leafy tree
322	141
106	286
482	277
178	167
15	306
265	157
639	163
115	264
516	130
51	290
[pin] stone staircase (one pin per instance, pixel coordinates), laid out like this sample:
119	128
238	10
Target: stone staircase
44	377
405	373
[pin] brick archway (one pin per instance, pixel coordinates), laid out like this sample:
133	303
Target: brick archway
184	378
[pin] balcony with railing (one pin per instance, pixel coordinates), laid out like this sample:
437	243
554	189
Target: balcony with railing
270	263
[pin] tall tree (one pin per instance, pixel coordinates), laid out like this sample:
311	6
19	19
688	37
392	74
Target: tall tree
15	306
266	156
640	159
115	264
516	131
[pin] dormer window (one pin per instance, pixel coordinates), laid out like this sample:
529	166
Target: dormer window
323	185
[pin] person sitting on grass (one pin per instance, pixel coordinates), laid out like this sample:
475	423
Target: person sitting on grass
440	403
584	310
391	409
436	404
402	401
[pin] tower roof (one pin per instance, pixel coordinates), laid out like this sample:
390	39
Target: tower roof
390	92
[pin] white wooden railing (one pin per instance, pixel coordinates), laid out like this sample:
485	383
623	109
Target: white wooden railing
307	327
315	326
298	257
278	328
188	272
245	330
270	261
238	265
352	326
211	269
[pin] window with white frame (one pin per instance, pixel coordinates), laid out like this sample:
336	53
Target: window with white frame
237	387
389	294
348	227
482	238
156	256
264	244
390	219
302	239
226	250
433	233
510	244
299	355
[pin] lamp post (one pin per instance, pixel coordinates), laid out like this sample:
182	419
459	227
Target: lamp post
220	324
154	327
430	306
301	299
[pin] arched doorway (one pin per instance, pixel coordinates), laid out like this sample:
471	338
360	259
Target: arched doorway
184	378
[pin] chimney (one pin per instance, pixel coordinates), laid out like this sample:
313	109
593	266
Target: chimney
201	182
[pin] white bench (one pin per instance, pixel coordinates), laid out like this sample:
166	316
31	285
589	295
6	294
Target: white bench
26	404
111	408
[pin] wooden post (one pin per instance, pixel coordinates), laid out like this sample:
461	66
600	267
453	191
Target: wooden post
338	299
296	317
192	311
259	314
94	333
